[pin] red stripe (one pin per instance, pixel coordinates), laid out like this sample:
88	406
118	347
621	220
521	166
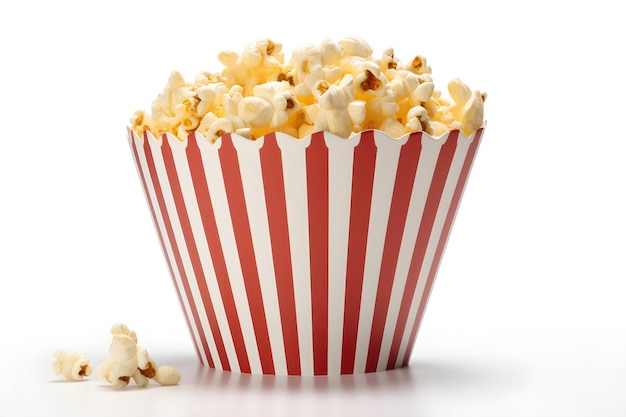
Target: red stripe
437	184
405	177
205	204
243	236
185	224
163	247
456	198
317	188
274	185
174	246
360	207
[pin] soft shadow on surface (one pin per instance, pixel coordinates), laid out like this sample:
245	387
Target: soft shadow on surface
419	374
402	378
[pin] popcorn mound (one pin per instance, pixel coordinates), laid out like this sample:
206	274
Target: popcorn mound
334	86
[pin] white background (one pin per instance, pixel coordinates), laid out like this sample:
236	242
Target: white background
527	314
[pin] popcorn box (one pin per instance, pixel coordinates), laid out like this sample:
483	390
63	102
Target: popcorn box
311	256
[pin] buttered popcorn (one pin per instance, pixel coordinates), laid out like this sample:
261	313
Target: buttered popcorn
337	87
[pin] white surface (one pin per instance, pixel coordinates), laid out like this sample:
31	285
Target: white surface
527	314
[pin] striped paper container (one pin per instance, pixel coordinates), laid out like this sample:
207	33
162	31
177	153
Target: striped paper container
311	256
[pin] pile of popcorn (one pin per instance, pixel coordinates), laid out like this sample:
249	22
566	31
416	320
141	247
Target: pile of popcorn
127	361
334	86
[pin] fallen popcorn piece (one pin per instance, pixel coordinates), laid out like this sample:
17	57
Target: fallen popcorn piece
332	86
71	365
128	361
166	375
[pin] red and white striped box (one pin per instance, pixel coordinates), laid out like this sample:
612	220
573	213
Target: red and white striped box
311	256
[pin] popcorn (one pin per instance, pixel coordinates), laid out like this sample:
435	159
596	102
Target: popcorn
333	86
468	107
71	365
166	375
336	113
128	361
258	63
353	46
211	97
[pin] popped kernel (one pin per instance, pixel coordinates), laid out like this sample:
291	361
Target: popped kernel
334	86
128	361
71	365
334	101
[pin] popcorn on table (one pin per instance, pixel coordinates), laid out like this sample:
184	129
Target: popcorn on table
129	361
71	365
333	86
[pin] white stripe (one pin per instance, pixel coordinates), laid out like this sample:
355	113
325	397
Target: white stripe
294	174
421	186
340	162
151	196
442	212
155	147
197	227
387	158
215	182
252	179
